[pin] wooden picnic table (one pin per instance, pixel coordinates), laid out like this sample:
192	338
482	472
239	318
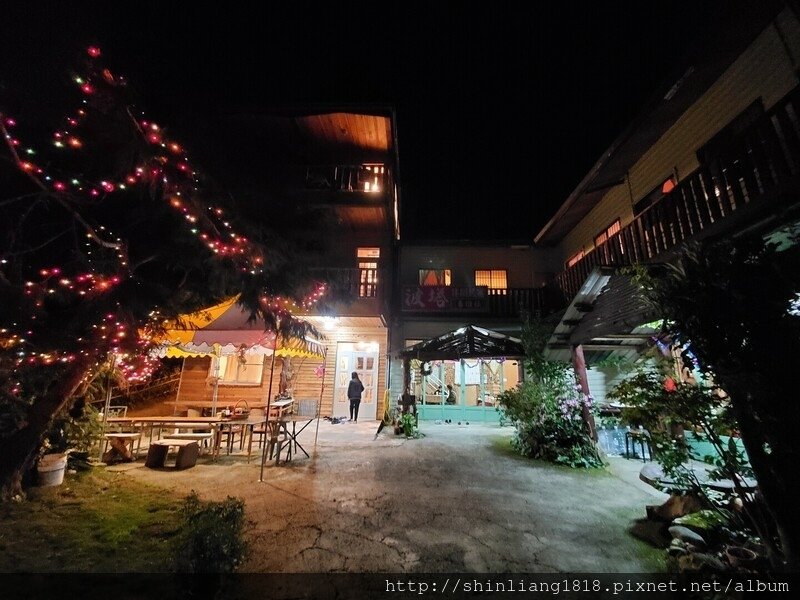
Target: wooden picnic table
211	424
279	406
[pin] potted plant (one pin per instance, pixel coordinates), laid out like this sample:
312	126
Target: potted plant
71	438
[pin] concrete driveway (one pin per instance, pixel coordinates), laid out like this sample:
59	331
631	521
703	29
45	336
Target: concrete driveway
456	500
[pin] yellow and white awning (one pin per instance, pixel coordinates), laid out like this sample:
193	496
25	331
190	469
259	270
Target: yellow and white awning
226	329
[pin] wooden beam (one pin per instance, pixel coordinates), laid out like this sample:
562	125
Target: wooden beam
597	347
625	336
583	307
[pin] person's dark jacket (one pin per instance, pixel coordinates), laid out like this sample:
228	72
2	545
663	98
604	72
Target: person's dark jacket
354	389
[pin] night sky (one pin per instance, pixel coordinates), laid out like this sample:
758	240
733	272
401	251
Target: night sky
501	110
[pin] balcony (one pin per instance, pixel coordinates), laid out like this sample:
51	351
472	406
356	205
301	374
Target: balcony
353	284
477	300
755	173
364	178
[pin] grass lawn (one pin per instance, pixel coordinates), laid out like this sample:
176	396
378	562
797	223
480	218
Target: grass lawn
94	522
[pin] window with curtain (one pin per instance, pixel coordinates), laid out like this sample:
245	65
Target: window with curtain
495	279
233	371
607	233
368	271
575	258
434	277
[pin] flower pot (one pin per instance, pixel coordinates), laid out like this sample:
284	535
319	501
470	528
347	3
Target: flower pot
51	469
742	558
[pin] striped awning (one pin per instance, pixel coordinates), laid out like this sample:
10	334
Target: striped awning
227	329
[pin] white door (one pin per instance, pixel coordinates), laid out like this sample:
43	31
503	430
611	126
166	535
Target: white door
363	359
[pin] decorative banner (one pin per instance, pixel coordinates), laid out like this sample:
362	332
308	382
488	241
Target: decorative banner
442	298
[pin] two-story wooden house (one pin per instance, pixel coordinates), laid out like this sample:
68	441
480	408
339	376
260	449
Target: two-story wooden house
443	286
715	153
342	162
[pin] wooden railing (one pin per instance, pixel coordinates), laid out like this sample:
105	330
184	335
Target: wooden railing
354	283
513	302
488	302
346	178
757	167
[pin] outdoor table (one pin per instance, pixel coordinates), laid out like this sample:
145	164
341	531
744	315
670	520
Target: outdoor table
280	406
248	425
296	420
209	423
652	474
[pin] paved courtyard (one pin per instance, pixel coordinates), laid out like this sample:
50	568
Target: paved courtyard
456	500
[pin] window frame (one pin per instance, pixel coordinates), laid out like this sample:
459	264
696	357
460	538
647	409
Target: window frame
223	362
444	277
494	289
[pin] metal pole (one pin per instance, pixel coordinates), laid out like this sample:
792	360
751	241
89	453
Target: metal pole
319	402
108	400
269	400
215	392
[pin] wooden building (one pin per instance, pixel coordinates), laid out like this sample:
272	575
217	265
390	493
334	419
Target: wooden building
342	163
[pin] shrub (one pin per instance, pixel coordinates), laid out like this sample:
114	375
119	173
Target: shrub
213	540
549	424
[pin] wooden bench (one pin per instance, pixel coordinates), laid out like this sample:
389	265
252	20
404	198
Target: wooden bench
119	444
187	453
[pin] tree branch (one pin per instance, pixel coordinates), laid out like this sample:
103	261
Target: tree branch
57	197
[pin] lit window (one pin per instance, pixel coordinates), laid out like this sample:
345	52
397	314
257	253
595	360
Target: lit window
368	282
656	194
429	277
608	232
368	253
370	177
368	272
575	258
495	280
234	370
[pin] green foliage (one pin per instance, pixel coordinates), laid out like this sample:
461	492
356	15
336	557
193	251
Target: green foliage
548	427
77	430
212	540
408	423
673	417
734	300
546	409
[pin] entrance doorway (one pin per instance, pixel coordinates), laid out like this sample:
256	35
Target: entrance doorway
363	359
476	383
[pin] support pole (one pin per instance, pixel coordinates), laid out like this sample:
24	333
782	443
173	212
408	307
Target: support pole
269	400
319	402
108	400
579	364
215	392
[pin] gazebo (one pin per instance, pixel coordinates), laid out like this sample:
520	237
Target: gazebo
478	382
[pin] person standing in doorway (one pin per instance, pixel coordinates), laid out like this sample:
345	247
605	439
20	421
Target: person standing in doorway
354	391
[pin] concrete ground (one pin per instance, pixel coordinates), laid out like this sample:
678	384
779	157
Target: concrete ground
456	500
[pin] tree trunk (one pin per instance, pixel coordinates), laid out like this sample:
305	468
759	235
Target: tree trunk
18	451
775	469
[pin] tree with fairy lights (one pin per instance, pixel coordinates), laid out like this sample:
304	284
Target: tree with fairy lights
108	230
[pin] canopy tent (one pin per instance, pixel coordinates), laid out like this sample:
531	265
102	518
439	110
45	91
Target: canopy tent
228	329
469	341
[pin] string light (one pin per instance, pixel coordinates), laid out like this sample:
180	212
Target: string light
169	168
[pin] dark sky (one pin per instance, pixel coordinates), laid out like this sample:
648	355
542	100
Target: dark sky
502	108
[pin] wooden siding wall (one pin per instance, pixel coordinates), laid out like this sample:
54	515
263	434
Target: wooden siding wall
307	380
195	385
763	70
602	381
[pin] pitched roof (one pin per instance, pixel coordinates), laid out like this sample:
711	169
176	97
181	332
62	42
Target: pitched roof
469	341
